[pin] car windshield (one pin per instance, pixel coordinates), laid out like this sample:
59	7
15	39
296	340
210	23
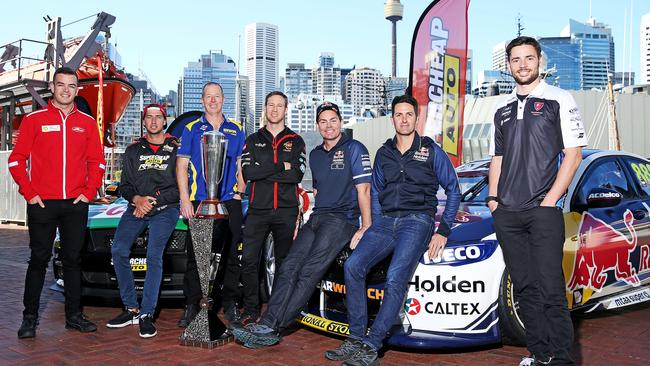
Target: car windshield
473	188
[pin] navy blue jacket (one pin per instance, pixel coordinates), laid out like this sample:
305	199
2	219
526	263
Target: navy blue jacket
407	184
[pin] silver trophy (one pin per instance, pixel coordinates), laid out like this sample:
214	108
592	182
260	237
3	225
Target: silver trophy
214	146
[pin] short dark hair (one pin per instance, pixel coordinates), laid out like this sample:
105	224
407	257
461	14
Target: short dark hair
406	98
269	95
208	84
64	71
524	40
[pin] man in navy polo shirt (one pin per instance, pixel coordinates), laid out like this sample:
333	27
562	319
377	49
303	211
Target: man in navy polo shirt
192	188
341	178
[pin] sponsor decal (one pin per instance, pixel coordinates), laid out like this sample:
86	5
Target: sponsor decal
460	255
137	264
372	293
629	299
324	324
168	148
260	144
204	127
50	128
230	131
155	162
286	147
422	154
78	129
603	250
413	307
450	286
642	172
603	195
338	160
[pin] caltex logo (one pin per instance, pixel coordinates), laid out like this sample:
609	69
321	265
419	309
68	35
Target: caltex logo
412	306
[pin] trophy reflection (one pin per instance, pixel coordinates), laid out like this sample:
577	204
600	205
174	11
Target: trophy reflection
215	147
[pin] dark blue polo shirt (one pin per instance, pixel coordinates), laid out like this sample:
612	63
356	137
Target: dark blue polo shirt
335	174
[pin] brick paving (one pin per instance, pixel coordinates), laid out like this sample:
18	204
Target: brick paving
615	338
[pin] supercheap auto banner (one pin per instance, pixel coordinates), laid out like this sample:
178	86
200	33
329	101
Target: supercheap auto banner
438	66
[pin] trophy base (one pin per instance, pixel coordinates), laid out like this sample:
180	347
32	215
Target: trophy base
206	331
211	209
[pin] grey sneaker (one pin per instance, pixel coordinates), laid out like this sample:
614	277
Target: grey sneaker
366	356
346	350
256	335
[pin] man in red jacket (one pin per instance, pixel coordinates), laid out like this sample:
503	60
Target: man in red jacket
58	164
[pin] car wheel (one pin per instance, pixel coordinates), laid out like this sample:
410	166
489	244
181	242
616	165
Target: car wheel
510	322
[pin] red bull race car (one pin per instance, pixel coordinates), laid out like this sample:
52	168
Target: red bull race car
466	298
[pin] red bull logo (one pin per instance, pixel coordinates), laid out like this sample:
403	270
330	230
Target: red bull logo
601	249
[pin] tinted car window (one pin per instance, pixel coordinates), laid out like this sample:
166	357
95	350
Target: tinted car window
607	174
641	172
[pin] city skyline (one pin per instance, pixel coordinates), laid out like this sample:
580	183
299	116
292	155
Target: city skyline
356	32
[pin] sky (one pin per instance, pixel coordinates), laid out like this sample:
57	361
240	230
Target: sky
161	37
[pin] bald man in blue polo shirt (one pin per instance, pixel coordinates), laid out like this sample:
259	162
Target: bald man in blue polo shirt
341	174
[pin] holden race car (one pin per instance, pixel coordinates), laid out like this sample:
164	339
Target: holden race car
466	297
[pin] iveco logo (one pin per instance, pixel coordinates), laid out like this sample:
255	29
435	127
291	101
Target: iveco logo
460	254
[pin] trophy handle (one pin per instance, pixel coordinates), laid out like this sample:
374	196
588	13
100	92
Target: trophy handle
223	164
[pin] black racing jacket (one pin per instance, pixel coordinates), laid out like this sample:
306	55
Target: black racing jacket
262	163
149	173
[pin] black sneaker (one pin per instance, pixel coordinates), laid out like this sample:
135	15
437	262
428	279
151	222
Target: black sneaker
366	356
531	360
127	317
188	315
80	323
147	329
28	327
346	350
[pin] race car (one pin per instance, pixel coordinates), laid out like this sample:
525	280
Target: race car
466	298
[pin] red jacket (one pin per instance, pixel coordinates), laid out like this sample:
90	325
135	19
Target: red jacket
65	155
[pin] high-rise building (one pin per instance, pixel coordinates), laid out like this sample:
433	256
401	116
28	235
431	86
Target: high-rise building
297	80
262	55
301	114
363	88
493	82
212	67
394	87
582	57
499	58
129	128
243	112
326	81
468	73
326	59
644	50
623	78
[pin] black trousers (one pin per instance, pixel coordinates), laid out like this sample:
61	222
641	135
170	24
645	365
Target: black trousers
532	243
71	220
226	238
281	223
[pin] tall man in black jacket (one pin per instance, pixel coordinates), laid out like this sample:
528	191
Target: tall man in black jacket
149	184
273	161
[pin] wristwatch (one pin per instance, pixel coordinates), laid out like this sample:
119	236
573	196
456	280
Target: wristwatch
490	198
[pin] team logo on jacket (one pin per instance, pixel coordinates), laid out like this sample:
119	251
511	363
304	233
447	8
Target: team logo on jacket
259	144
422	154
168	148
78	129
50	128
338	161
538	106
286	147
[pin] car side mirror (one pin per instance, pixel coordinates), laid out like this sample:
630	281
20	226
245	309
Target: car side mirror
603	197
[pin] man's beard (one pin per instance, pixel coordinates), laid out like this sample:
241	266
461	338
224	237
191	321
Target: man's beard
532	76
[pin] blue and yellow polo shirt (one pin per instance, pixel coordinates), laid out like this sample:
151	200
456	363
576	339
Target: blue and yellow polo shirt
192	148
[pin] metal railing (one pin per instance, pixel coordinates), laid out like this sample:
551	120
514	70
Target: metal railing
13	207
18	56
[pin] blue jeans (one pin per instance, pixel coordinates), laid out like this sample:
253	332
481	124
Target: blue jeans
318	243
160	225
406	238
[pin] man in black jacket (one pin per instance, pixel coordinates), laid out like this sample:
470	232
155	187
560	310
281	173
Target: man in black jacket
274	162
149	185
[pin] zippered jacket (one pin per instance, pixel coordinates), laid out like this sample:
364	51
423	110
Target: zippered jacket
263	160
404	184
149	173
57	156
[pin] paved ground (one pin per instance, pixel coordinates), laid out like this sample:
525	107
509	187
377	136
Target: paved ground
615	338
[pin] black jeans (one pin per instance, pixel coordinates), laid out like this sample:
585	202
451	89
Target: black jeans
532	243
71	220
281	223
224	242
318	243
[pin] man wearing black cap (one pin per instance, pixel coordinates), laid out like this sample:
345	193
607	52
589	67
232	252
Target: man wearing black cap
341	177
149	184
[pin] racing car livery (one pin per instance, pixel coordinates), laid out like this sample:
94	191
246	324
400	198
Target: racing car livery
466	297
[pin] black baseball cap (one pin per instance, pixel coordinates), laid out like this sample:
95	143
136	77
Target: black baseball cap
327	106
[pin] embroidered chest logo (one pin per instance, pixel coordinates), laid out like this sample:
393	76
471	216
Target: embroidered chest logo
338	161
259	144
50	128
204	127
78	129
422	154
537	106
230	131
168	148
286	147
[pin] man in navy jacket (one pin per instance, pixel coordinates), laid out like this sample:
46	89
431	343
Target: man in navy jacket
407	172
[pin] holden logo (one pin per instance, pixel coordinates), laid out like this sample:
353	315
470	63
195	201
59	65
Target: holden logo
412	306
